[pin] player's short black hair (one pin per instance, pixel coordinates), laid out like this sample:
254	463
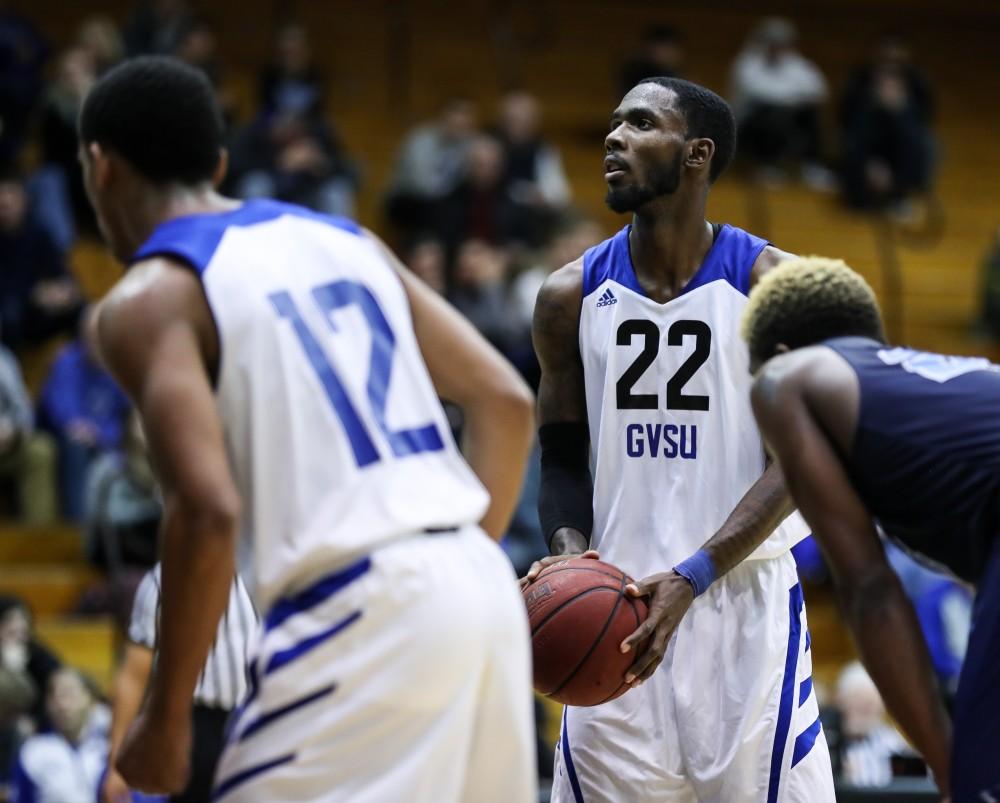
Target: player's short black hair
707	115
806	300
160	115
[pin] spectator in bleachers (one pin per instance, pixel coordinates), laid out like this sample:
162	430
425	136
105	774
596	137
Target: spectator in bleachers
22	654
100	37
85	410
289	151
61	200
122	507
888	148
38	297
661	53
429	165
481	206
22	57
198	45
65	766
155	26
426	257
481	293
869	742
17	698
27	457
776	97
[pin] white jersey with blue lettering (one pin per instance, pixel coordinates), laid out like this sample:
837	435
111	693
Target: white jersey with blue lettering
337	440
674	444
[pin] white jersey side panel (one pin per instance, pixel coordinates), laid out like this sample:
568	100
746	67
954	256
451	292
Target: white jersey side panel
336	436
674	444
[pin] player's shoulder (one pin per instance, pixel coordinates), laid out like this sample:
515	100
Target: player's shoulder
767	260
557	308
802	372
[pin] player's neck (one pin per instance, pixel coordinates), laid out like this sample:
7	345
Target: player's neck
668	246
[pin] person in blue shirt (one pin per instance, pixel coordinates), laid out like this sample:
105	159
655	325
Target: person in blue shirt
85	410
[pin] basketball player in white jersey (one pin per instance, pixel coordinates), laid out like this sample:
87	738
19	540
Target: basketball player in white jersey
287	372
650	456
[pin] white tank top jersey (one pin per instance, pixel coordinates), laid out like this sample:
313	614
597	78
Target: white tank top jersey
336	438
674	444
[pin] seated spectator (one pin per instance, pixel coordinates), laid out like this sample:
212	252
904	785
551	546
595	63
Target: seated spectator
23	53
481	294
886	130
17	698
99	36
868	741
426	257
61	200
289	151
661	53
65	766
27	457
198	45
23	655
481	207
534	173
429	165
155	26
776	96
85	410
123	508
989	323
38	297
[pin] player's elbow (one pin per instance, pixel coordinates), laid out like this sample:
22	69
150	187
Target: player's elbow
210	513
515	403
867	592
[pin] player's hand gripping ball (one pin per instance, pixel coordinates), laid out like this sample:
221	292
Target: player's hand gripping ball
579	614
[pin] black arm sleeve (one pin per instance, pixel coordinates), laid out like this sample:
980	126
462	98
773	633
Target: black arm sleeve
566	492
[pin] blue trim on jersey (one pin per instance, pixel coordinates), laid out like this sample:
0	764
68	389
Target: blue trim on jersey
266	719
731	259
809	641
248	774
193	239
286	656
805	689
805	741
318	592
787	690
574	782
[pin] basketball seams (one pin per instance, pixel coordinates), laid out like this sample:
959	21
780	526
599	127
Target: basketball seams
638	621
600	636
535	630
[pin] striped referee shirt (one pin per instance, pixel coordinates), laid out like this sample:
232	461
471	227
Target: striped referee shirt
222	683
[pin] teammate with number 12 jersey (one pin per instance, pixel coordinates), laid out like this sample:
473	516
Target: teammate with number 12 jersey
641	357
283	362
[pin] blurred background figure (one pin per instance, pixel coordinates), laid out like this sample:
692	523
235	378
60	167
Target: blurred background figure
660	53
427	258
430	163
27	456
868	741
65	765
886	114
480	292
155	26
777	95
99	36
289	151
85	411
23	53
38	297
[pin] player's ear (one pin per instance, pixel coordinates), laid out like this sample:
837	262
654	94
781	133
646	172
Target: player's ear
101	166
781	348
700	152
221	168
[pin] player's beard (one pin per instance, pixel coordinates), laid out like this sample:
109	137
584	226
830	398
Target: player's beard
663	180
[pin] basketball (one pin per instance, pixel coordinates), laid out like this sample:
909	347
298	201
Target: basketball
579	615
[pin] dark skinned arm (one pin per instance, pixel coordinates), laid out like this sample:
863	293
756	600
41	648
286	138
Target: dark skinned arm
555	331
154	332
763	507
873	602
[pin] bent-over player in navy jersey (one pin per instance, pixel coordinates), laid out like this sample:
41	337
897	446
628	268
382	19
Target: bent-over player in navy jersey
871	436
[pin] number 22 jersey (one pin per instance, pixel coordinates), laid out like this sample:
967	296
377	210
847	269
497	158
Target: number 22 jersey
336	438
674	444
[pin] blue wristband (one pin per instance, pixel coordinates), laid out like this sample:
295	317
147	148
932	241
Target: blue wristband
698	570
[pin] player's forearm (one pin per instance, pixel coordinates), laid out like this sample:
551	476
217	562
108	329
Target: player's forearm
197	548
758	513
893	649
497	440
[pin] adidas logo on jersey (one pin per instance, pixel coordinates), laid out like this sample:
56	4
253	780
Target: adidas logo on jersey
607	299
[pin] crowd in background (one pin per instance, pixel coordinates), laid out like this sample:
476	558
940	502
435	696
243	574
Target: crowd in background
478	205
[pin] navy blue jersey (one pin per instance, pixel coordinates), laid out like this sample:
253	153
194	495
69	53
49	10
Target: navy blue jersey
926	452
